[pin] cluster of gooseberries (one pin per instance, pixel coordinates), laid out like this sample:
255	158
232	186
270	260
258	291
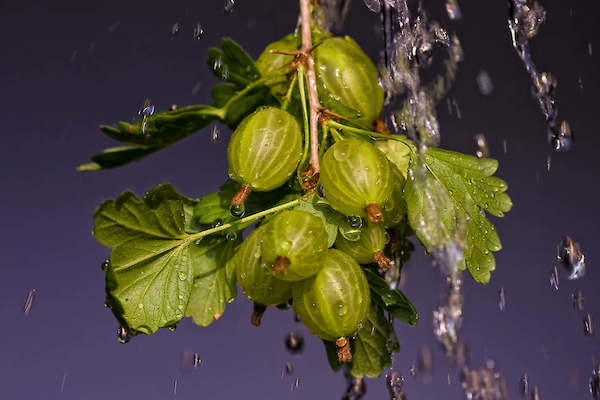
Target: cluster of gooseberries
289	256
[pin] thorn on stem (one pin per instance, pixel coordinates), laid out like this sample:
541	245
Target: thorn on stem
380	127
280	265
257	314
343	350
374	213
309	178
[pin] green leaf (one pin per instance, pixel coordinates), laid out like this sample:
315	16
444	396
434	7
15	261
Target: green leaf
215	281
450	199
117	156
154	259
164	128
393	300
232	63
374	345
151	264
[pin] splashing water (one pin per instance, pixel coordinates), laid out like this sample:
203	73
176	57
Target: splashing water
288	369
123	335
501	299
524	385
588	326
525	19
536	393
198	32
175	29
373	5
146	111
215	133
484	384
554	280
572	257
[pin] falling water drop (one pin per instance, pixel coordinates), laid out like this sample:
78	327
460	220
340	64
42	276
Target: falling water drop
228	6
577	299
215	133
198	32
453	10
484	83
123	335
572	257
175	29
354	222
394	382
588	326
554	280
288	369
501	299
594	384
536	393
524	385
294	342
482	149
29	302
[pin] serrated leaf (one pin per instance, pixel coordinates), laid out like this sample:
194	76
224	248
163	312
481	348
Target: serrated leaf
394	300
374	345
151	264
215	281
462	188
116	157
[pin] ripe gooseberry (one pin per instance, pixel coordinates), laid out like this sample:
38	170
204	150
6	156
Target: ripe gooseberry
333	302
368	248
294	243
263	152
255	277
346	76
357	179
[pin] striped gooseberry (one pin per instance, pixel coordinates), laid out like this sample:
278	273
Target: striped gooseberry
357	179
333	303
294	243
255	278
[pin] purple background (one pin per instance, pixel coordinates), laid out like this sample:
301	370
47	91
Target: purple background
67	67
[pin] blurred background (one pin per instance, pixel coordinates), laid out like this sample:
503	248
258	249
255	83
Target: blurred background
67	67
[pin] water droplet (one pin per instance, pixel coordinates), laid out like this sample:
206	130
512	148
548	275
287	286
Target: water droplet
563	139
237	211
288	369
228	6
217	222
294	342
394	382
501	299
215	133
175	29
594	384
484	83
146	111
536	393
198	31
123	335
341	310
453	10
29	301
554	280
588	326
524	385
198	242
105	264
354	222
231	236
572	257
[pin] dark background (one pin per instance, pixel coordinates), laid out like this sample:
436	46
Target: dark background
66	67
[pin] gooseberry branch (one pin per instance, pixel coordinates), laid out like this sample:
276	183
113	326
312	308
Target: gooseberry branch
313	97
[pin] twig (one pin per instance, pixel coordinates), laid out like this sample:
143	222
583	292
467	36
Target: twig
313	98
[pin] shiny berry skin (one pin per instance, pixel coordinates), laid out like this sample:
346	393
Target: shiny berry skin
254	275
271	63
333	303
356	177
346	75
265	149
394	209
372	240
294	242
